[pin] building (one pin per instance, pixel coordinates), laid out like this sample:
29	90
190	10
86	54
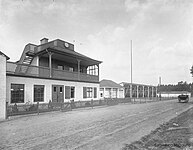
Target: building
173	93
110	89
52	71
134	90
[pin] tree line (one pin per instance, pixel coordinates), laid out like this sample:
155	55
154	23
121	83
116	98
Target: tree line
181	86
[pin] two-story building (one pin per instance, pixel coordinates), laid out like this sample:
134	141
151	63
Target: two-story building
52	71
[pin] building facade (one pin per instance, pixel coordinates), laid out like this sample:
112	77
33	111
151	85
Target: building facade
52	71
133	90
110	89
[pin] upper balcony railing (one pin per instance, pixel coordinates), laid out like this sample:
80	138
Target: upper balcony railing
38	71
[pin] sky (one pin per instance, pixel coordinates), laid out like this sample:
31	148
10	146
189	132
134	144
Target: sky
161	32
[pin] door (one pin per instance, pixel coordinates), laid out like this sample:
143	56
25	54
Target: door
57	93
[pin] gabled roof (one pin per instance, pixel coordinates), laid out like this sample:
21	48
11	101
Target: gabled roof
109	83
1	53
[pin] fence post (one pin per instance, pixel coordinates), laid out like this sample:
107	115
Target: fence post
6	111
38	111
92	103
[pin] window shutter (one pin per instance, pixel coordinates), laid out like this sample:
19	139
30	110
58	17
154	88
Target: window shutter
95	92
67	92
84	92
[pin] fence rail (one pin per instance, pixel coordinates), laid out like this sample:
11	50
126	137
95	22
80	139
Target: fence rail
13	110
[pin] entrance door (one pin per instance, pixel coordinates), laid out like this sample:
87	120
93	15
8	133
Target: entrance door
57	93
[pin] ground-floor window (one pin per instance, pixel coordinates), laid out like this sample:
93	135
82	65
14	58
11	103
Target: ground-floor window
69	92
114	93
17	93
38	93
89	92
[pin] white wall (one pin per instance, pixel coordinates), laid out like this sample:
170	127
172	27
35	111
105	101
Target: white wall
2	87
108	92
30	82
172	95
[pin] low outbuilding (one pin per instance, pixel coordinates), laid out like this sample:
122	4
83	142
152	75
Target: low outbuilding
173	93
111	89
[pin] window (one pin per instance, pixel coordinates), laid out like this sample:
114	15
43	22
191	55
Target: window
17	93
38	93
60	67
72	92
88	92
69	92
54	89
71	69
92	70
61	90
114	93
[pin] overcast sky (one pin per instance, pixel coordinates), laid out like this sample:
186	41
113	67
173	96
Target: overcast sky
161	32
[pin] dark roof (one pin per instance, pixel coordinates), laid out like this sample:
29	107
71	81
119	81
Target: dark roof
63	51
1	53
109	83
74	53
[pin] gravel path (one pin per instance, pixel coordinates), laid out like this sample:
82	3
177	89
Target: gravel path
98	128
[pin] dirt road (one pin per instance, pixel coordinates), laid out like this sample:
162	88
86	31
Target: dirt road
98	128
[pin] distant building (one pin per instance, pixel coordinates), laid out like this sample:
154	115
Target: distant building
110	89
134	90
172	93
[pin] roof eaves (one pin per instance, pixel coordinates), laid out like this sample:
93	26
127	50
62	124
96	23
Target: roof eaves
1	53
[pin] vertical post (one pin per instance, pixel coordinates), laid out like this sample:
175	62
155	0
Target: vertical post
160	88
78	69
156	91
131	88
152	92
3	61
137	91
131	92
50	63
98	70
148	91
38	111
143	92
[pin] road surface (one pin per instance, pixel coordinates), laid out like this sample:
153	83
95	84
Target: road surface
87	129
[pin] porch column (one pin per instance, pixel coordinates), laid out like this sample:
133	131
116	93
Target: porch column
156	91
137	91
78	69
118	93
131	91
148	91
152	91
104	92
98	70
50	63
143	92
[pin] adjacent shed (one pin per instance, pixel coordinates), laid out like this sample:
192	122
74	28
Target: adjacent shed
111	89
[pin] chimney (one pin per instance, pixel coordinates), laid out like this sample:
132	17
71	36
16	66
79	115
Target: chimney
43	41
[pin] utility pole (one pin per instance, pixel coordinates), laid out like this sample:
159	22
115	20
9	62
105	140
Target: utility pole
131	73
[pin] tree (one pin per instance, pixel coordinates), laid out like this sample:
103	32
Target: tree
191	71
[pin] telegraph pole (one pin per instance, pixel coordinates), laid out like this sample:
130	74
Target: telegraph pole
131	92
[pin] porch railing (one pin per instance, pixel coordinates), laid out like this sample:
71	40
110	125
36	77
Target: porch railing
39	71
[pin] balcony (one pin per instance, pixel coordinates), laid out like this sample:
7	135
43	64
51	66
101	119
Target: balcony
45	72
